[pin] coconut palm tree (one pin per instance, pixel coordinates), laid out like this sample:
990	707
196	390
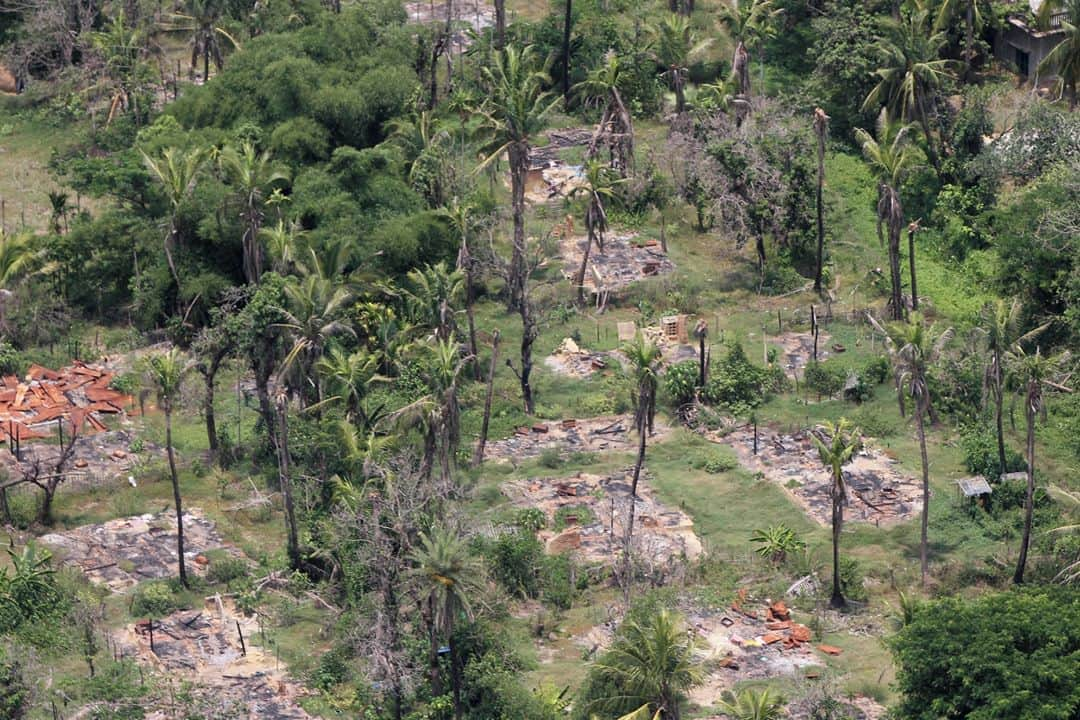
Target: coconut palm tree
1064	59
915	348
201	19
836	447
644	359
347	377
616	127
435	292
977	13
674	46
284	245
461	217
314	312
511	115
21	257
747	23
1035	373
166	372
890	157
425	142
177	170
1001	330
599	186
750	704
651	662
912	72
252	174
448	578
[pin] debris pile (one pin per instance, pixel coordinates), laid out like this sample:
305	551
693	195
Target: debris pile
569	359
609	433
624	260
797	349
752	644
877	492
221	653
549	180
122	553
76	395
594	511
467	15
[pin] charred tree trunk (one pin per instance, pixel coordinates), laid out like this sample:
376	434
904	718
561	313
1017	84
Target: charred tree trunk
920	428
500	24
529	333
177	501
285	480
837	600
821	129
567	23
1029	493
519	168
478	458
912	229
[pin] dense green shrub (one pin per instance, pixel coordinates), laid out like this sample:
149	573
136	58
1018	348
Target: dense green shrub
154	600
978	441
227	570
1002	655
735	382
825	380
514	559
680	382
875	371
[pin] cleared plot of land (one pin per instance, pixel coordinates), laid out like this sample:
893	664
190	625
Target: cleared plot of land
611	433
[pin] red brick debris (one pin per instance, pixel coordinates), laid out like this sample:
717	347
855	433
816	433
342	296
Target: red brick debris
79	395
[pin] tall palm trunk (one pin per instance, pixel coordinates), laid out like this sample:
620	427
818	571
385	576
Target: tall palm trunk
1029	494
642	430
209	376
285	480
920	428
478	457
500	24
999	402
519	168
566	54
177	501
895	219
821	127
911	266
529	333
931	148
585	260
837	600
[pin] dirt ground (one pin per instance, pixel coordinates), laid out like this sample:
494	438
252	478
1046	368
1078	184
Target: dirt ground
608	433
797	349
124	552
877	492
623	261
595	508
204	647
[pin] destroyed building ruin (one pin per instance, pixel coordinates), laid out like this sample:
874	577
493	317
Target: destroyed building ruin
608	433
877	491
594	510
122	553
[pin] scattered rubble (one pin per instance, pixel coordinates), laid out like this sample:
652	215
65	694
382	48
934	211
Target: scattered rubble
608	433
569	359
751	644
549	180
877	492
467	15
661	534
220	651
797	349
95	460
624	260
122	553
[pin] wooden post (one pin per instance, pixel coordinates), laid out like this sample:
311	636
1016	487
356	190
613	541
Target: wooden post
779	324
814	328
150	624
754	420
243	648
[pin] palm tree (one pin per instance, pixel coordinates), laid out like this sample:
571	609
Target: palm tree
821	133
60	207
177	171
313	313
747	23
651	663
912	72
915	348
890	157
424	142
511	115
21	258
644	358
122	47
1001	329
461	219
598	186
449	577
750	704
166	373
836	450
202	20
435	291
674	47
601	86
347	376
976	14
284	245
1034	372
251	173
1064	59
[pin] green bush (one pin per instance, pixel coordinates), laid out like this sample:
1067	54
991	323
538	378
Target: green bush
680	382
514	559
557	581
978	441
735	382
875	371
226	570
154	600
825	380
583	514
550	458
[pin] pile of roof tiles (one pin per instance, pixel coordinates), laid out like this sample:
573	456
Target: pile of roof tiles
78	394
